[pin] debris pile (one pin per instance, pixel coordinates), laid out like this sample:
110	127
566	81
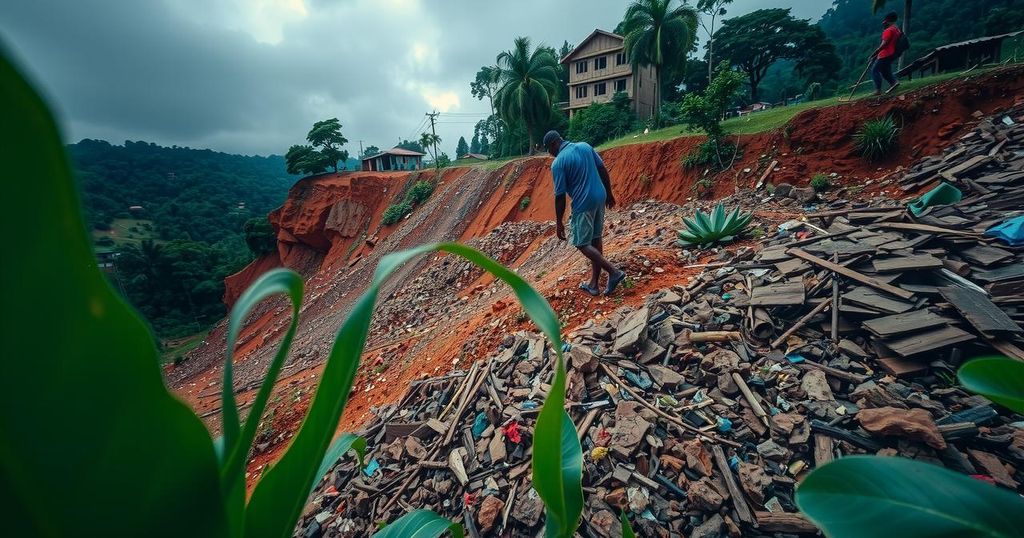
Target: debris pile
700	411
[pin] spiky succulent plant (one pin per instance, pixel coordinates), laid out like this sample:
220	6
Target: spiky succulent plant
716	227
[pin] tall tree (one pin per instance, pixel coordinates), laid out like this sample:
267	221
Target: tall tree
474	144
753	42
462	148
908	7
304	160
327	136
658	33
529	85
485	145
411	145
430	140
486	84
713	9
370	151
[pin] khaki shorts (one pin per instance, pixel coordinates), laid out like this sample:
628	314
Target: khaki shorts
586	226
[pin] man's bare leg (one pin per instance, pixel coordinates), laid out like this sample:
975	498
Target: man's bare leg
598	261
595	269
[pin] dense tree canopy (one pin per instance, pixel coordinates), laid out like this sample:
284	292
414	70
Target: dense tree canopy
370	151
198	203
462	148
600	122
755	41
327	136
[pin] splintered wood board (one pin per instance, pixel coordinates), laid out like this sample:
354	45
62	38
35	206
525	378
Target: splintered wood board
790	292
917	343
985	255
980	311
899	264
916	320
870	298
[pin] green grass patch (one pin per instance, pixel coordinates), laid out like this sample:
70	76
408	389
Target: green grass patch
175	350
774	118
126	232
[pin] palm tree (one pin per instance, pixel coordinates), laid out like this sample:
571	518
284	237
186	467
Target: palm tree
529	85
658	33
430	140
908	7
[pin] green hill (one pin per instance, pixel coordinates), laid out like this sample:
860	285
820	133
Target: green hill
175	217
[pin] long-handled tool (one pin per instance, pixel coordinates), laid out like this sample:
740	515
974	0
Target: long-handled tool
859	81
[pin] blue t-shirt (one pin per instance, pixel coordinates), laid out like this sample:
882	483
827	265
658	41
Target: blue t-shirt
575	174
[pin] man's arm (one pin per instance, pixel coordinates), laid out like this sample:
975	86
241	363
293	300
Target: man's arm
559	215
607	180
886	38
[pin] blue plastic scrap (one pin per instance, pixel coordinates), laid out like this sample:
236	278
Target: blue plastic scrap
794	358
480	423
1011	231
640	381
724	424
371	467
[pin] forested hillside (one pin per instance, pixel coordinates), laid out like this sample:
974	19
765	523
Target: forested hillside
855	30
177	219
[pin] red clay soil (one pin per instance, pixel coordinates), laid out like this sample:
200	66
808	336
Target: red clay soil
329	230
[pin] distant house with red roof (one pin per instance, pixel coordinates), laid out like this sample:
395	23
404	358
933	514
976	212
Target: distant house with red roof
394	159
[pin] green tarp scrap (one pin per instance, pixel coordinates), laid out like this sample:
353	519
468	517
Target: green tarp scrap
944	194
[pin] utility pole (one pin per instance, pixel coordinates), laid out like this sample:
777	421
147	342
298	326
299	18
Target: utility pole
360	149
433	116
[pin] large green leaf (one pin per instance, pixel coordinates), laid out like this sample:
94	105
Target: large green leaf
860	496
557	455
627	530
343	444
278	498
238	445
419	524
997	378
718	217
91	441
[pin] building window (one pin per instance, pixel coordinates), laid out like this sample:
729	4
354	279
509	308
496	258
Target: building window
620	58
600	63
581	92
600	89
581	67
620	85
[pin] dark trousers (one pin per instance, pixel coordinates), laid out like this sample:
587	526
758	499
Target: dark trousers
883	70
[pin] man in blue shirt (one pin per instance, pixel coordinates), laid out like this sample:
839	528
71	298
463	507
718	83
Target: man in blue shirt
579	172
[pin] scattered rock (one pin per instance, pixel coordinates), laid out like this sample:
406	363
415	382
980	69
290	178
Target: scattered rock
914	424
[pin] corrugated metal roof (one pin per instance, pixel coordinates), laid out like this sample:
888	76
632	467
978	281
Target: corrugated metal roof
401	152
978	40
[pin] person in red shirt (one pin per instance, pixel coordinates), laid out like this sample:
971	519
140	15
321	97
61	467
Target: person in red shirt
885	54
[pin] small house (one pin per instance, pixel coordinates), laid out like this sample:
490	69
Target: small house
474	157
394	159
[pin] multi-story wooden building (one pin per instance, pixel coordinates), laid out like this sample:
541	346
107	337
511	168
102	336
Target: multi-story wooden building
598	68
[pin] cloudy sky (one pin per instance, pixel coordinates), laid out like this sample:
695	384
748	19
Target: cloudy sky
251	76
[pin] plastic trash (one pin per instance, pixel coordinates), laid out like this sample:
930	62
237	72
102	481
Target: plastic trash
724	424
944	194
1011	231
794	358
371	467
480	424
511	431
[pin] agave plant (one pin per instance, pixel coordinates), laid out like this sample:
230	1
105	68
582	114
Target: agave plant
877	138
716	227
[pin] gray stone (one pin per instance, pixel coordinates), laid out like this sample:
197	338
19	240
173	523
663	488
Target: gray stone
773	451
782	190
711	528
815	384
664	376
631	331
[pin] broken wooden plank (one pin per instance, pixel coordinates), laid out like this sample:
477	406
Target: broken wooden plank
785	522
980	311
900	264
790	292
986	255
850	273
915	344
901	367
738	500
908	322
870	298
